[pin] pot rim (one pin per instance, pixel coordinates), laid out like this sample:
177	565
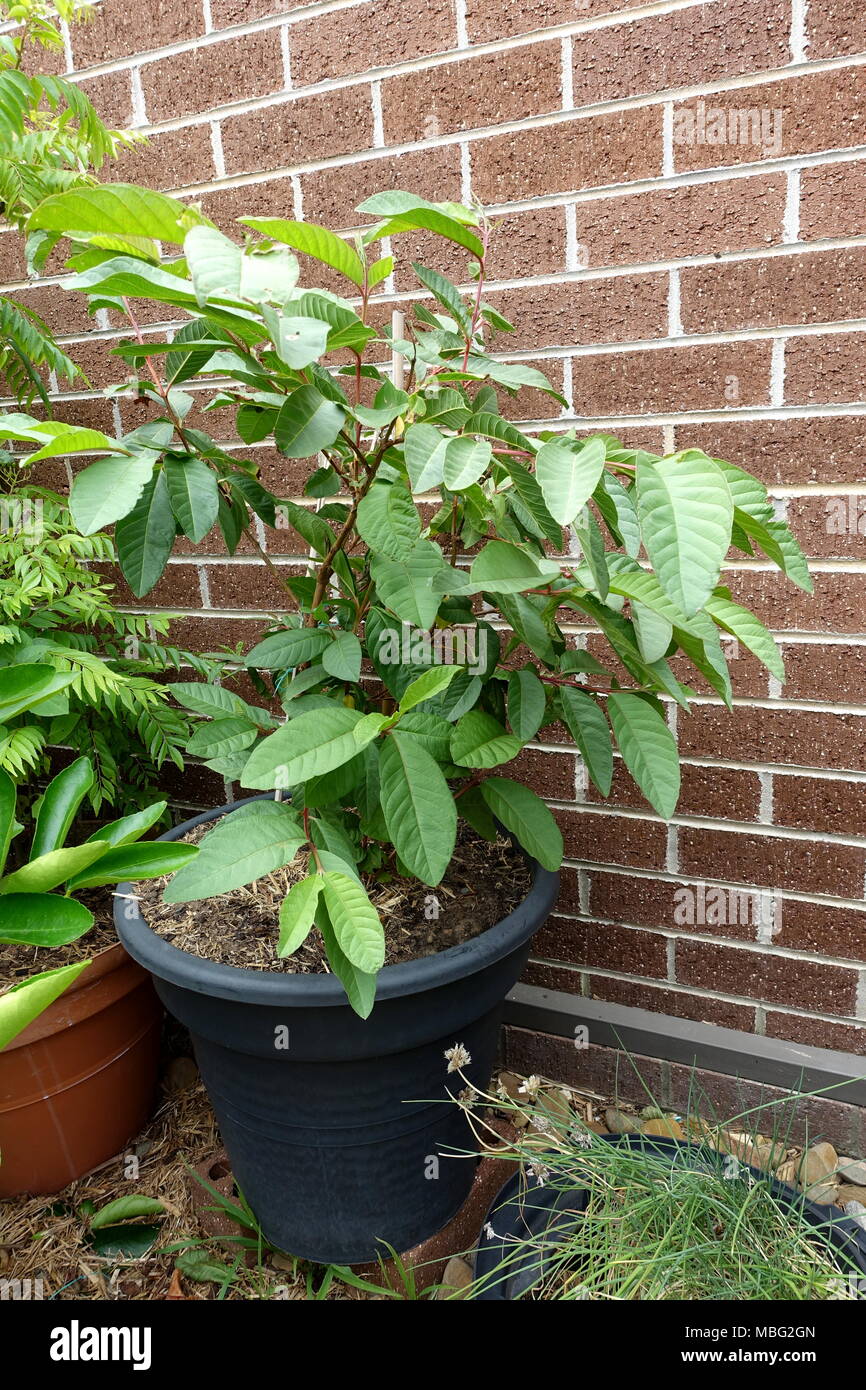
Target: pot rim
274	989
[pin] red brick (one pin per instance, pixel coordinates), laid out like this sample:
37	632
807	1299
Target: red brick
551	775
226	12
332	195
830	526
626	840
611	948
13	263
111	94
634	994
170	159
203	633
820	111
784	451
830	807
366	36
717	792
676	907
804	984
194	787
804	866
250	586
802	737
339	122
816	1032
652	54
521	243
748	676
831	200
477	91
620	309
601	1069
827	368
672	379
93	414
695	220
508	17
529	402
835	606
821	928
178	588
117	31
835	26
99	364
820	287
581	153
830	673
235	69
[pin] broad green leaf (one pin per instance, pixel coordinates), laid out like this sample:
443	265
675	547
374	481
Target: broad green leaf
406	585
648	748
221	736
355	921
247	844
480	741
307	423
192	487
588	727
27	686
360	986
51	869
466	459
290	648
318	242
388	404
145	536
653	632
616	505
447	294
418	807
297	914
568	474
747	629
526	816
424	450
60	801
432	220
432	732
685	510
502	568
121	208
342	659
308	746
426	686
300	341
214	263
129	828
535	515
207	699
388	520
129	862
129	1208
526	704
24	1002
42	919
108	489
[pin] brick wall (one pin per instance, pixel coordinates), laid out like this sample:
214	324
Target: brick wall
683	288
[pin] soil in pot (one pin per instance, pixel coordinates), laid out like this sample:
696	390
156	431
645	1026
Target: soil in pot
335	1123
80	1080
484	882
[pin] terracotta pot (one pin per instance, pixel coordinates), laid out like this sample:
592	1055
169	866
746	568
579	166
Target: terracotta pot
81	1079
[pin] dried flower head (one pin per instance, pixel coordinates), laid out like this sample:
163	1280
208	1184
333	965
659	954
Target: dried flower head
530	1086
539	1172
467	1097
457	1057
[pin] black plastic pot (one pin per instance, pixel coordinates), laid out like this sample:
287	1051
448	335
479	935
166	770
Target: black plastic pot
332	1122
544	1216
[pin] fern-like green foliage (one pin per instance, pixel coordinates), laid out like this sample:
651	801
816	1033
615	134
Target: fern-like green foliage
51	140
56	609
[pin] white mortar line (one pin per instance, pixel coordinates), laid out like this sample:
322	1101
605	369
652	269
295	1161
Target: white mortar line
669	167
799	39
791	219
378	125
465	172
860	1005
671	959
567	85
139	109
675	322
765	808
208	19
216	142
460	23
777	372
286	55
204	585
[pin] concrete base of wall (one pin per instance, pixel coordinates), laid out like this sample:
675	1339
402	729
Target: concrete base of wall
807	1092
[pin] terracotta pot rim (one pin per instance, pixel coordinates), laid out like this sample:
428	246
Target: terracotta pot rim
59	1016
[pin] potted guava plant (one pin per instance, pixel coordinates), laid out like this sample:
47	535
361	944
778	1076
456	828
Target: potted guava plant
78	1042
440	553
